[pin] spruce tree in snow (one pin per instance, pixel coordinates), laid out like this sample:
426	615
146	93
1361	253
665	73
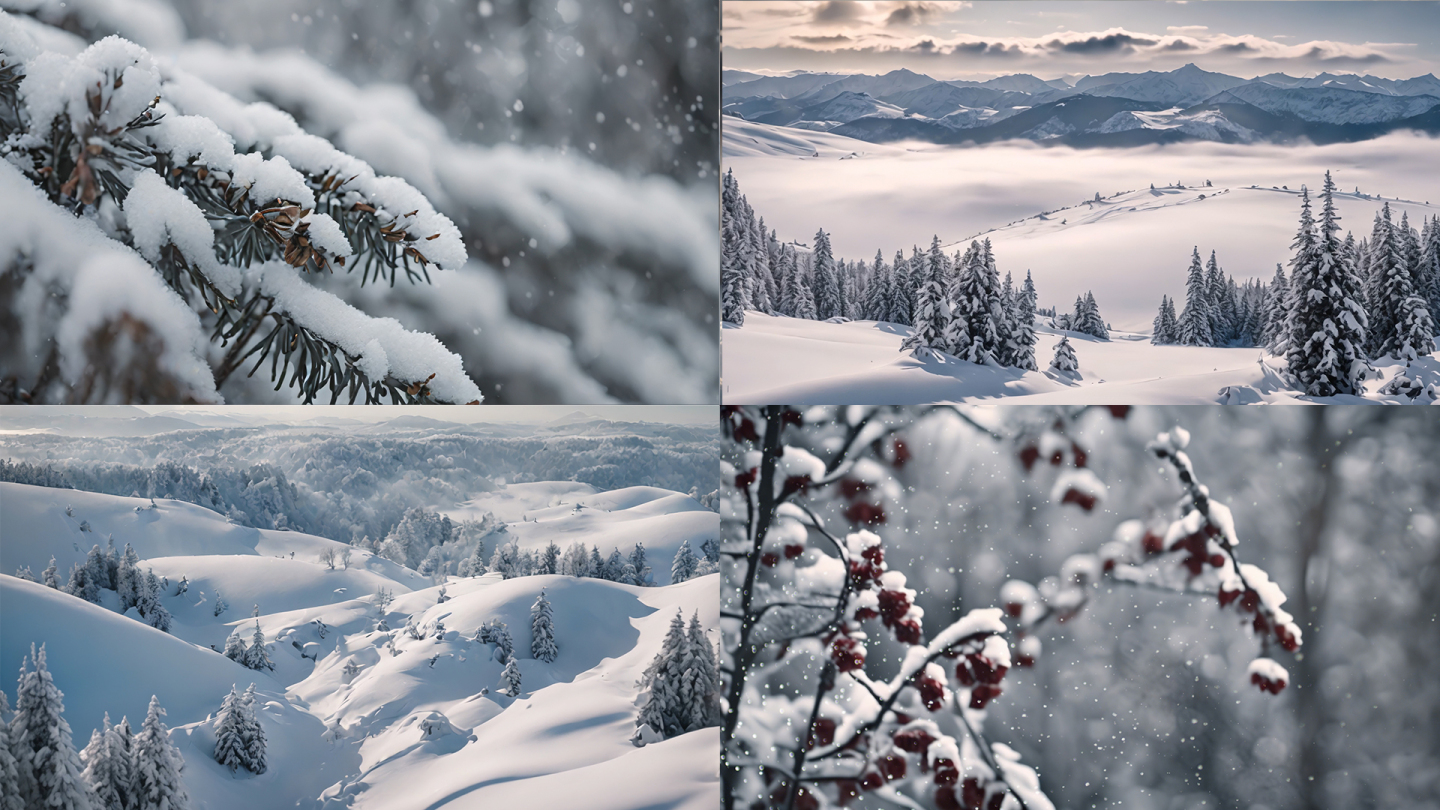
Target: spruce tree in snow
1383	272
1022	334
683	567
10	796
235	647
828	301
700	680
1326	345
1162	329
510	678
542	630
50	576
292	207
928	335
641	568
1430	265
220	604
976	308
1195	318
254	734
550	559
229	731
506	560
597	563
81	585
128	579
96	571
108	766
1090	322
1405	310
1065	362
877	292
661	704
1221	325
902	292
734	285
1276	313
150	608
256	656
158	766
46	760
474	565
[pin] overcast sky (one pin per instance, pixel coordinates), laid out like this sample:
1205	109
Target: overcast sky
950	40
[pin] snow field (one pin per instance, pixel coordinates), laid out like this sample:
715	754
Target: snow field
406	730
779	359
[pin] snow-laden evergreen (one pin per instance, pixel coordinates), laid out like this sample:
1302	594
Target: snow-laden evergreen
109	766
699	680
230	731
510	677
1195	319
662	707
978	327
929	318
683	566
149	606
829	301
10	796
542	630
1166	328
1326	345
158	766
49	767
256	656
1064	362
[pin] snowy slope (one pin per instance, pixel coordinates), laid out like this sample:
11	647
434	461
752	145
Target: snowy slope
336	741
563	513
777	359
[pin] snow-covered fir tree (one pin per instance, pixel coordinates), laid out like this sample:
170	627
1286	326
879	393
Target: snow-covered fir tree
734	283
1399	313
1326	344
1381	266
1222	315
542	630
128	579
10	796
229	731
49	767
150	608
1064	362
158	766
550	559
81	585
682	568
1277	313
826	282
661	704
1163	328
102	153
640	567
1195	319
256	656
699	680
1088	319
220	604
474	565
109	765
877	293
50	576
977	307
510	677
928	337
1023	326
902	291
253	735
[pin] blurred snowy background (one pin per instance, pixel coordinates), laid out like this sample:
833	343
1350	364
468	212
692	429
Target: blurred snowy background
1141	701
573	143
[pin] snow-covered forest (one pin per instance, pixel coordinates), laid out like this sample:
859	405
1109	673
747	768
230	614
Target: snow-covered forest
294	621
344	483
1037	607
286	203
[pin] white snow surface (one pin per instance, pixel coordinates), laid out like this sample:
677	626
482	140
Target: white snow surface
780	359
1268	669
564	512
355	742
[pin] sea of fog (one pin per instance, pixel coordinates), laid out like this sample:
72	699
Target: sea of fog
870	196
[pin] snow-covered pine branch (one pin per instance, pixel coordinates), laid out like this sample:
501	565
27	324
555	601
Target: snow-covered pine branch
229	234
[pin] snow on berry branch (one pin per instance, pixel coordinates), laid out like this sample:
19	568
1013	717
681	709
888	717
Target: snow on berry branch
232	231
804	613
1195	553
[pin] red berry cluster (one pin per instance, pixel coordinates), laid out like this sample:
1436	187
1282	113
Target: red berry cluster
1249	602
860	511
1084	500
982	675
1274	687
1198	545
970	797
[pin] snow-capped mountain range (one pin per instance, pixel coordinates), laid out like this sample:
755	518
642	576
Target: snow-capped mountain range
1114	109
